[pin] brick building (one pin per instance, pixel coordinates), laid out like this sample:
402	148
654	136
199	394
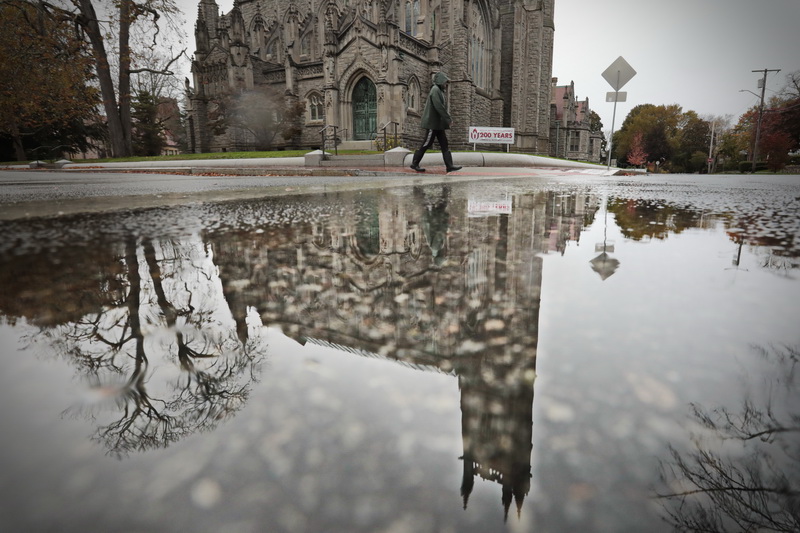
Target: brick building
361	64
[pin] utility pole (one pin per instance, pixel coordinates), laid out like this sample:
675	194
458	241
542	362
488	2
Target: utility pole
711	146
763	84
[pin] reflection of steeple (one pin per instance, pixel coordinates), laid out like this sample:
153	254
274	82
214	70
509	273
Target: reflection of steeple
496	426
424	282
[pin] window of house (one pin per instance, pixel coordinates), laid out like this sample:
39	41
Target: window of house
574	141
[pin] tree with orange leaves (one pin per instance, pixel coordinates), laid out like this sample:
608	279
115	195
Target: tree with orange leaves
637	155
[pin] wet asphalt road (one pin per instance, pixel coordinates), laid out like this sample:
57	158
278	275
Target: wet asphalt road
27	194
696	327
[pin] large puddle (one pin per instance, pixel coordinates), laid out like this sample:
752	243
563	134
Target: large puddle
584	354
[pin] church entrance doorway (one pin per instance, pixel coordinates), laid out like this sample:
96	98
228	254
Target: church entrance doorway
365	110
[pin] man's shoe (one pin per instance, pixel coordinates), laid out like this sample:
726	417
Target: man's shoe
417	168
453	168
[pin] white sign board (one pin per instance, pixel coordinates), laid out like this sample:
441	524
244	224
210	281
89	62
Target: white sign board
479	134
618	73
617	96
477	208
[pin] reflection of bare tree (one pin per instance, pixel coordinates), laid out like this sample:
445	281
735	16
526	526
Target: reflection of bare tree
158	308
750	480
142	426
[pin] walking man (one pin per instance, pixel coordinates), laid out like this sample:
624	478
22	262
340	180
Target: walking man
436	119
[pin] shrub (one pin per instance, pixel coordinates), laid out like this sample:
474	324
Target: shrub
391	142
747	166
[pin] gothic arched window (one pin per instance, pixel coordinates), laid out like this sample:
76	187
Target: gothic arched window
258	37
305	44
479	37
316	109
411	15
273	51
413	94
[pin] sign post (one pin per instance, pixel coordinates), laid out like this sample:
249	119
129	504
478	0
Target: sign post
617	75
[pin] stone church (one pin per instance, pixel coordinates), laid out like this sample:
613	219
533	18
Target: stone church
366	65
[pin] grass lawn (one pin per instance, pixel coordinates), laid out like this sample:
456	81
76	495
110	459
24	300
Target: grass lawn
232	155
217	155
223	155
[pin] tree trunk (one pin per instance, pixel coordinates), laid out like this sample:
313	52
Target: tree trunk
16	137
124	82
120	142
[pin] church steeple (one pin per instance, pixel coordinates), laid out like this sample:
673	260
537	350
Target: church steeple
201	32
208	11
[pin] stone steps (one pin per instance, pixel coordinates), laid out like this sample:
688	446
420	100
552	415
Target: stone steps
354	145
354	161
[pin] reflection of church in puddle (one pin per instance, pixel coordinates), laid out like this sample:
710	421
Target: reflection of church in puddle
430	283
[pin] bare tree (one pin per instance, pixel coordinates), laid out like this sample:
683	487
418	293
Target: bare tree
750	479
83	14
263	114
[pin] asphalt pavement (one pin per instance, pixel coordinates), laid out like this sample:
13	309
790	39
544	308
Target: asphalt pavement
74	188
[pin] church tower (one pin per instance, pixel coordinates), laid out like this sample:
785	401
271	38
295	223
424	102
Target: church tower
528	40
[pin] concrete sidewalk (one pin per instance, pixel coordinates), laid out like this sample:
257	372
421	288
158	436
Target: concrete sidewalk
307	165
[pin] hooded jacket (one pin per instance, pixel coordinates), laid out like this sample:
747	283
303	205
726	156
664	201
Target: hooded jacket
435	115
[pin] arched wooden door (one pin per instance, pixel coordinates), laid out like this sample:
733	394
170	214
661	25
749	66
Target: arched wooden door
365	110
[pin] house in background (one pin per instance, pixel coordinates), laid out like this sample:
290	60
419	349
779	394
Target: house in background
173	134
571	134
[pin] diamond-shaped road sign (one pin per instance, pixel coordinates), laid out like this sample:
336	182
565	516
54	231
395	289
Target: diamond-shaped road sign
619	73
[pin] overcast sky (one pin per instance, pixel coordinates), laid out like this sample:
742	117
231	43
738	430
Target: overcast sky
695	53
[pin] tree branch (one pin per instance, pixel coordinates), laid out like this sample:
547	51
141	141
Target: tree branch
165	70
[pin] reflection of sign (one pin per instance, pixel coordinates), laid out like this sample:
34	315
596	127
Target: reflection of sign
492	207
478	134
605	265
604	246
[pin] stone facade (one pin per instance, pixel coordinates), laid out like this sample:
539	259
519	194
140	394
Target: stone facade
362	64
570	126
